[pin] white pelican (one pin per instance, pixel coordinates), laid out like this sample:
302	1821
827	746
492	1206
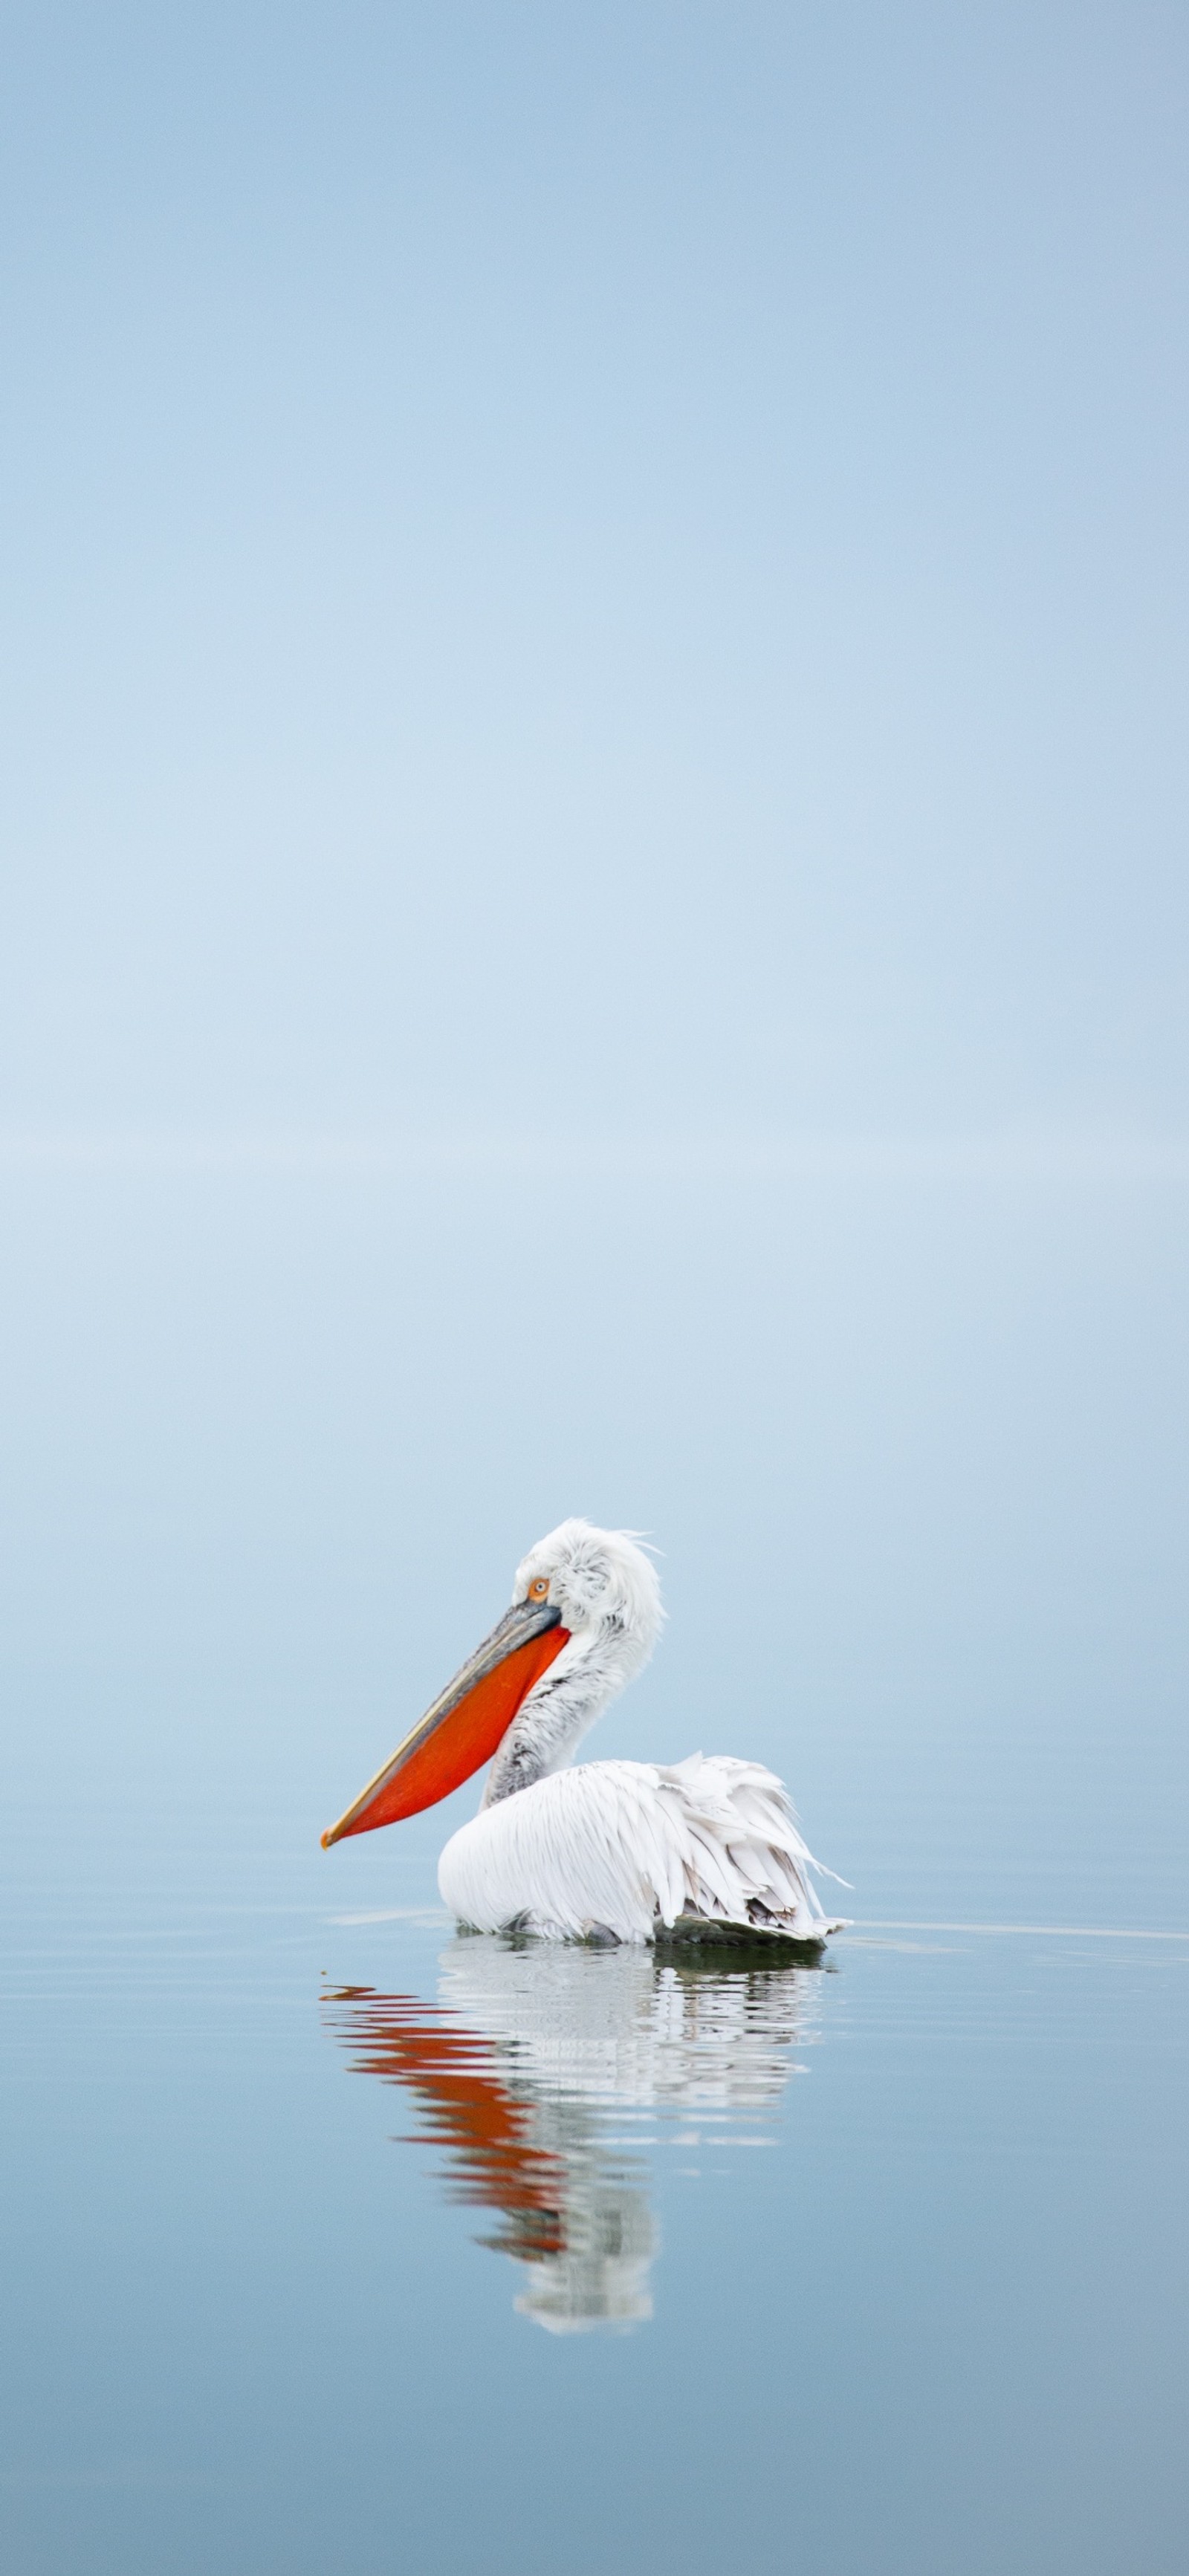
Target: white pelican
613	1851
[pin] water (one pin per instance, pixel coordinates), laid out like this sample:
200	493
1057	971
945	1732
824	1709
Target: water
344	2242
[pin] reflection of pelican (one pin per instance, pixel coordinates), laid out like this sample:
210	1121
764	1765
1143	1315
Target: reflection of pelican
530	2067
614	1850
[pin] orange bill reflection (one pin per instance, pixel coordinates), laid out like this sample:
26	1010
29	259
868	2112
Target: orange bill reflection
484	2131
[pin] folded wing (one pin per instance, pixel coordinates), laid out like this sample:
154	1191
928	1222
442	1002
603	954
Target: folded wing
642	1850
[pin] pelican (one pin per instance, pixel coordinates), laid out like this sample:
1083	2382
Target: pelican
611	1851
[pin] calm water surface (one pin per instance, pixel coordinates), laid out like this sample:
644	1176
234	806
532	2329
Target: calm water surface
338	2241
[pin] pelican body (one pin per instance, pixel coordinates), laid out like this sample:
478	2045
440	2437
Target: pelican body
611	1851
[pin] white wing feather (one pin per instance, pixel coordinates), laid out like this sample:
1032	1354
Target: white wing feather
637	1848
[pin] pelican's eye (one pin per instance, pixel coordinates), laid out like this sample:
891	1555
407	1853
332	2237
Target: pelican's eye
538	1591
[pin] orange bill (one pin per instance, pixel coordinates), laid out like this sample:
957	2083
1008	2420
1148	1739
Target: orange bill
463	1728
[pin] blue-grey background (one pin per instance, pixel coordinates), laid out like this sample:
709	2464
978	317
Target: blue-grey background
594	912
593	918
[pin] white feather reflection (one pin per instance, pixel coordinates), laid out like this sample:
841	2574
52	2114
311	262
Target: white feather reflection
545	2075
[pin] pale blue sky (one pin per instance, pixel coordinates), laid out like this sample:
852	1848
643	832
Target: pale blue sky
594	571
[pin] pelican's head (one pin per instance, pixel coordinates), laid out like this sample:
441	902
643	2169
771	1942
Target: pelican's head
586	1600
604	1588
